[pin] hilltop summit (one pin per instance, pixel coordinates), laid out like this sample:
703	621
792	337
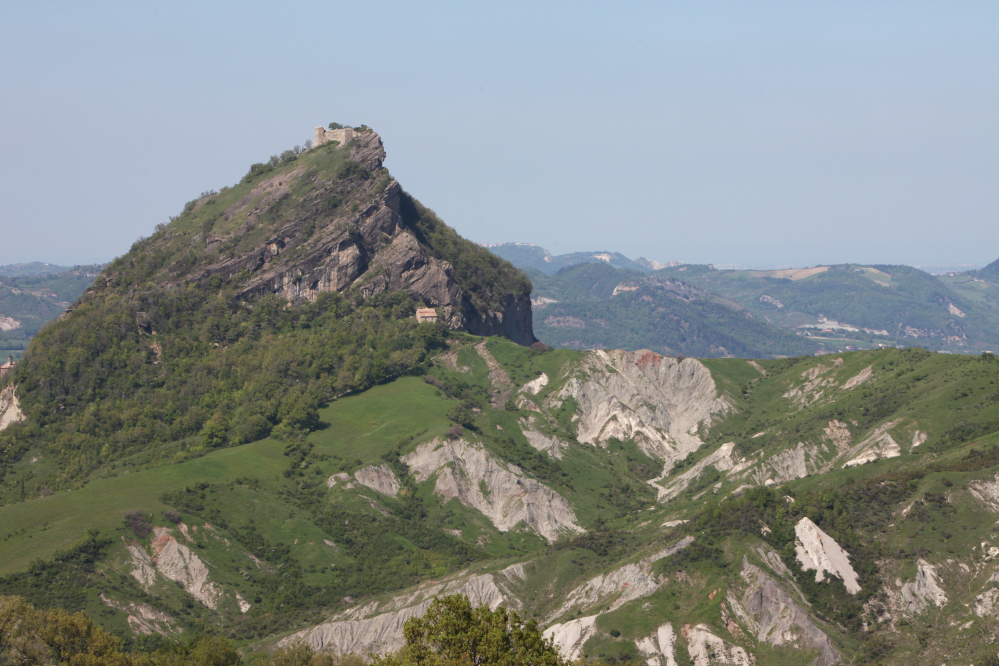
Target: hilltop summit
328	219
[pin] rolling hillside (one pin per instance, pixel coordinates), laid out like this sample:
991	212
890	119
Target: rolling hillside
241	430
636	505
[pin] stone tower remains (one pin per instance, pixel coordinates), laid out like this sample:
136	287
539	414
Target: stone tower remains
324	135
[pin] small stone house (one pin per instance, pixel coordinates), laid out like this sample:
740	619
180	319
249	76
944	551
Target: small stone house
11	364
426	315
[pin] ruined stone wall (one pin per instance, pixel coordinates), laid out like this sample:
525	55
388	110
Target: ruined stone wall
323	135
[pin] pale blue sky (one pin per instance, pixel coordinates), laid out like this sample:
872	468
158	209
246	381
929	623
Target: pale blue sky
750	133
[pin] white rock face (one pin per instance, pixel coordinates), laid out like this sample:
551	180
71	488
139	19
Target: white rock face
657	401
796	463
143	618
379	478
771	614
925	590
879	444
535	385
553	446
10	408
987	603
570	636
631	581
145	570
705	649
839	433
814	386
720	460
859	379
918	438
176	562
659	649
377	628
510	497
342	477
817	550
987	491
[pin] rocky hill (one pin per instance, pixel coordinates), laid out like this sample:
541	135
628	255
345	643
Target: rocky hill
252	307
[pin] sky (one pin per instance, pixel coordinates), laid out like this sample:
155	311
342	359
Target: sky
749	133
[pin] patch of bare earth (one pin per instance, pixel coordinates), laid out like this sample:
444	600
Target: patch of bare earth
502	384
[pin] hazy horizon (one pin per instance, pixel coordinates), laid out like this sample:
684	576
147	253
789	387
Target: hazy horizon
763	134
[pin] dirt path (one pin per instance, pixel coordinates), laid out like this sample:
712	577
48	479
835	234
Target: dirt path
502	385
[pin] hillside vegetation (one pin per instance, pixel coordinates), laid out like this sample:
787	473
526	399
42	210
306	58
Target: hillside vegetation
305	531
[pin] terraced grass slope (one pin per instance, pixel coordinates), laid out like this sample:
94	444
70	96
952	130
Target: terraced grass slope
638	506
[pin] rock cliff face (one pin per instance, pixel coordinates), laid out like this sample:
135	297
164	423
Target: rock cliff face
771	614
658	401
376	628
501	492
373	247
817	550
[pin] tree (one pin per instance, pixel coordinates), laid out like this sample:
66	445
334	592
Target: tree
215	434
452	633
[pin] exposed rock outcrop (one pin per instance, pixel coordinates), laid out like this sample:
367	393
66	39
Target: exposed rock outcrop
659	402
721	459
617	587
10	408
570	637
987	603
143	618
659	648
144	570
379	478
817	550
706	649
925	590
376	628
878	444
176	562
772	616
535	385
815	384
341	477
370	248
466	470
859	378
498	377
551	445
987	491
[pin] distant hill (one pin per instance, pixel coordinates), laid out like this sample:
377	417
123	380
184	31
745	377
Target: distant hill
596	306
31	268
868	303
841	307
31	298
990	272
526	255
